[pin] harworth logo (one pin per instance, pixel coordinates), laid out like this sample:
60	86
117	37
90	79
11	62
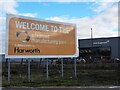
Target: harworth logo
24	37
18	50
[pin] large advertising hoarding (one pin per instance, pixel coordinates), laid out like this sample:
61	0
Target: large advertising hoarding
34	38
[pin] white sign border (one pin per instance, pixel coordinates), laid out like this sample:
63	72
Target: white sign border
9	16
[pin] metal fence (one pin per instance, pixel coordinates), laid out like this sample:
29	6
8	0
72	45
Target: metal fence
60	73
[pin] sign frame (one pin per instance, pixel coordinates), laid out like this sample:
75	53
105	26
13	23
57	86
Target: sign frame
9	16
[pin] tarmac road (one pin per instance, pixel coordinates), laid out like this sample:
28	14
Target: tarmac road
63	88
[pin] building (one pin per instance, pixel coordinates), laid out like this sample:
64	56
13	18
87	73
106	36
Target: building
99	48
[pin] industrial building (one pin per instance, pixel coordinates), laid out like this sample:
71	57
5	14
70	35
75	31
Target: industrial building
99	48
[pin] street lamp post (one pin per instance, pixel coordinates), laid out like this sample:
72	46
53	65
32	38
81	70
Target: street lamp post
91	45
91	38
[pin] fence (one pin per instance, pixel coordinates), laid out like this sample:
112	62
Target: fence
87	74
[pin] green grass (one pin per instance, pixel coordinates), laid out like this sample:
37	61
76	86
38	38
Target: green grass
92	74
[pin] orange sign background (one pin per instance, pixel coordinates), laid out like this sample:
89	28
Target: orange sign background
31	37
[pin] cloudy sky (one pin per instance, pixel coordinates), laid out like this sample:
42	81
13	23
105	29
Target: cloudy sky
99	15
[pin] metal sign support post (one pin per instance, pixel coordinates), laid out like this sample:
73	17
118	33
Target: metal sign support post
29	70
75	67
62	67
8	70
47	68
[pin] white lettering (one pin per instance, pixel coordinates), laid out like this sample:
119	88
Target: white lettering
31	26
37	26
28	26
41	27
54	28
24	25
18	24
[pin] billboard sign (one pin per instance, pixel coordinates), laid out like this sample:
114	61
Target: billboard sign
34	38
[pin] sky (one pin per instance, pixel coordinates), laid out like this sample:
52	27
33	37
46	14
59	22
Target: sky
100	15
